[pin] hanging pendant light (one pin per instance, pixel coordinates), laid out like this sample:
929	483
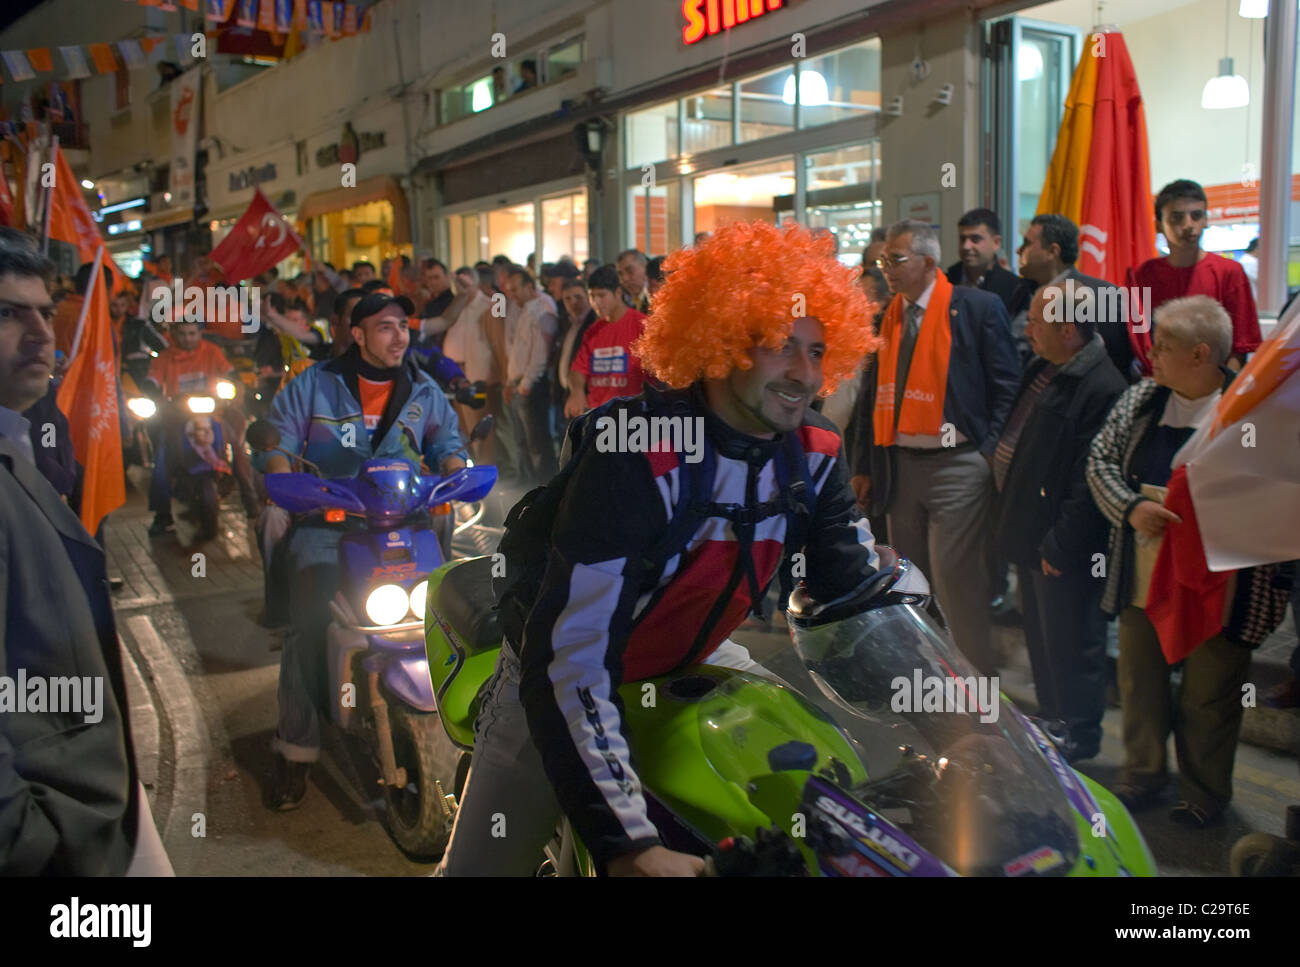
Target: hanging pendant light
1228	90
1225	91
1253	9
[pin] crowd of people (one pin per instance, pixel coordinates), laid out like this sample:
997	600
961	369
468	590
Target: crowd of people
999	429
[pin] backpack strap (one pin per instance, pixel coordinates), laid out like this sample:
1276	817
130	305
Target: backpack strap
800	496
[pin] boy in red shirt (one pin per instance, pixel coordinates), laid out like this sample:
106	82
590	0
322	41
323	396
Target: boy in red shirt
1187	270
605	366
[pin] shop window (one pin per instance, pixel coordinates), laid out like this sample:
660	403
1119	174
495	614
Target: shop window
564	228
841	194
463	234
655	218
510	232
766	107
652	134
707	120
742	194
563	60
839	85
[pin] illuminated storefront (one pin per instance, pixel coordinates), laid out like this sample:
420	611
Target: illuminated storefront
791	143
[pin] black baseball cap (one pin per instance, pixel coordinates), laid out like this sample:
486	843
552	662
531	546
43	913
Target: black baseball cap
375	302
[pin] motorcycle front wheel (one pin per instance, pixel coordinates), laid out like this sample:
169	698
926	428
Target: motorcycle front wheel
418	815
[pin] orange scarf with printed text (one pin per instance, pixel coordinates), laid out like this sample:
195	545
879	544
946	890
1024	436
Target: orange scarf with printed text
921	413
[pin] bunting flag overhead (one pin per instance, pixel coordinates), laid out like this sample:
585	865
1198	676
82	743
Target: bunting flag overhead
279	20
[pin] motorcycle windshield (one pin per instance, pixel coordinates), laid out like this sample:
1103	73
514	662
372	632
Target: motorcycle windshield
946	761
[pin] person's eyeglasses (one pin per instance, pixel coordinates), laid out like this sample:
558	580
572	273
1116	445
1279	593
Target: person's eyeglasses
892	261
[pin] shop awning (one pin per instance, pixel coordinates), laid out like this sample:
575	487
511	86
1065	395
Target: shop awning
379	188
169	216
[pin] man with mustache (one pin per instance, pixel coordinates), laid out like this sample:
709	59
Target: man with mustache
70	800
1188	270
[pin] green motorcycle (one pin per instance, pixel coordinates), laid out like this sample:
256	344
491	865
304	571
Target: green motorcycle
867	747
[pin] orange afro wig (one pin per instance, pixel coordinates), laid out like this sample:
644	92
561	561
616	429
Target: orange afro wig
744	287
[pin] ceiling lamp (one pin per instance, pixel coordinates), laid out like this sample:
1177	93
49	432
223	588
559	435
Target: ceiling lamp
1228	90
813	91
1253	9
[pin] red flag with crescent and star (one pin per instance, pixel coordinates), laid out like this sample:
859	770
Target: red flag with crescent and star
260	239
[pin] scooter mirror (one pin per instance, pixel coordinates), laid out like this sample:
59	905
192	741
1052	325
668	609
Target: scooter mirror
482	428
263	436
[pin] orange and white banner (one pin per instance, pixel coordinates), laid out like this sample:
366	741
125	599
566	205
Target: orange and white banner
1243	464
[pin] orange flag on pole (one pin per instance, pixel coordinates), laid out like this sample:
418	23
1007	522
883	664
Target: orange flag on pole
88	398
71	221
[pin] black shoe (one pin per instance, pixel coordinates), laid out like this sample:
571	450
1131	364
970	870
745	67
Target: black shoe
288	783
161	525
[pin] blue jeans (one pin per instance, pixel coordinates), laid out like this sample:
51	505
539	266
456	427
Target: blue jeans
314	578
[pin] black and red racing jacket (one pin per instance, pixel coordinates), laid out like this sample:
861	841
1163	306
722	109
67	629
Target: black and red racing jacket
606	615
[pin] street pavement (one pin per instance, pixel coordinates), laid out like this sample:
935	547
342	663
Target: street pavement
203	698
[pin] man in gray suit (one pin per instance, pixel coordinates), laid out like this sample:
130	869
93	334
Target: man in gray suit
69	797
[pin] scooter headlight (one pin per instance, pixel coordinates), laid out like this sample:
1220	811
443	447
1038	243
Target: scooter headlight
142	406
202	404
387	604
418	595
225	389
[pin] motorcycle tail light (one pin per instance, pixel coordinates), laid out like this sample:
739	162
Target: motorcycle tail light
335	515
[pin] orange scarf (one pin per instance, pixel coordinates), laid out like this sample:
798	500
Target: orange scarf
927	376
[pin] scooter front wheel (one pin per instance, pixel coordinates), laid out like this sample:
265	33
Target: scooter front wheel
418	815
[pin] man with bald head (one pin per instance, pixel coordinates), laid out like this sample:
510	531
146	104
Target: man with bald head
1047	523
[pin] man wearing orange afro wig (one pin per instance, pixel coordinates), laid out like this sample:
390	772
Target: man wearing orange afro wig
661	544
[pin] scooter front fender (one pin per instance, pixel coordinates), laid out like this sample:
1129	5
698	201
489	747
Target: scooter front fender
406	677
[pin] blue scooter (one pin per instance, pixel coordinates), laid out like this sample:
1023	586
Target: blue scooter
378	672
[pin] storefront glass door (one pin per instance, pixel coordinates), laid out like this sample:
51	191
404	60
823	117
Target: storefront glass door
1026	80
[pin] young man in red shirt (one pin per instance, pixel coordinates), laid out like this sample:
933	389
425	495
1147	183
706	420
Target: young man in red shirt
605	366
1187	270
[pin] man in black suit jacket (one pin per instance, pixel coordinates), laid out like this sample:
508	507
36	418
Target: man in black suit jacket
69	798
1047	256
935	482
1047	522
980	237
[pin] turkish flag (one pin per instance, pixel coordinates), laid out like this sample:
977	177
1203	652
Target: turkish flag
1186	600
88	398
260	239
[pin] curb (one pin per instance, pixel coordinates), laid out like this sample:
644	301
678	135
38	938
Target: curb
190	741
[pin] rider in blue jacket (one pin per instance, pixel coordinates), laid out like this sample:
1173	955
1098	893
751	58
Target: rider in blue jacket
369	402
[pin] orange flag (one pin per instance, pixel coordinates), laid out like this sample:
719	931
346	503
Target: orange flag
88	398
395	275
71	221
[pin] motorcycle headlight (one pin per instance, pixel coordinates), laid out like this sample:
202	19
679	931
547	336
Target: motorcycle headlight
418	594
387	604
225	389
142	406
202	404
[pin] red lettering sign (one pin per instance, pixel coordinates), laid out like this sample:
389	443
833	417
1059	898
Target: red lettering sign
704	18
